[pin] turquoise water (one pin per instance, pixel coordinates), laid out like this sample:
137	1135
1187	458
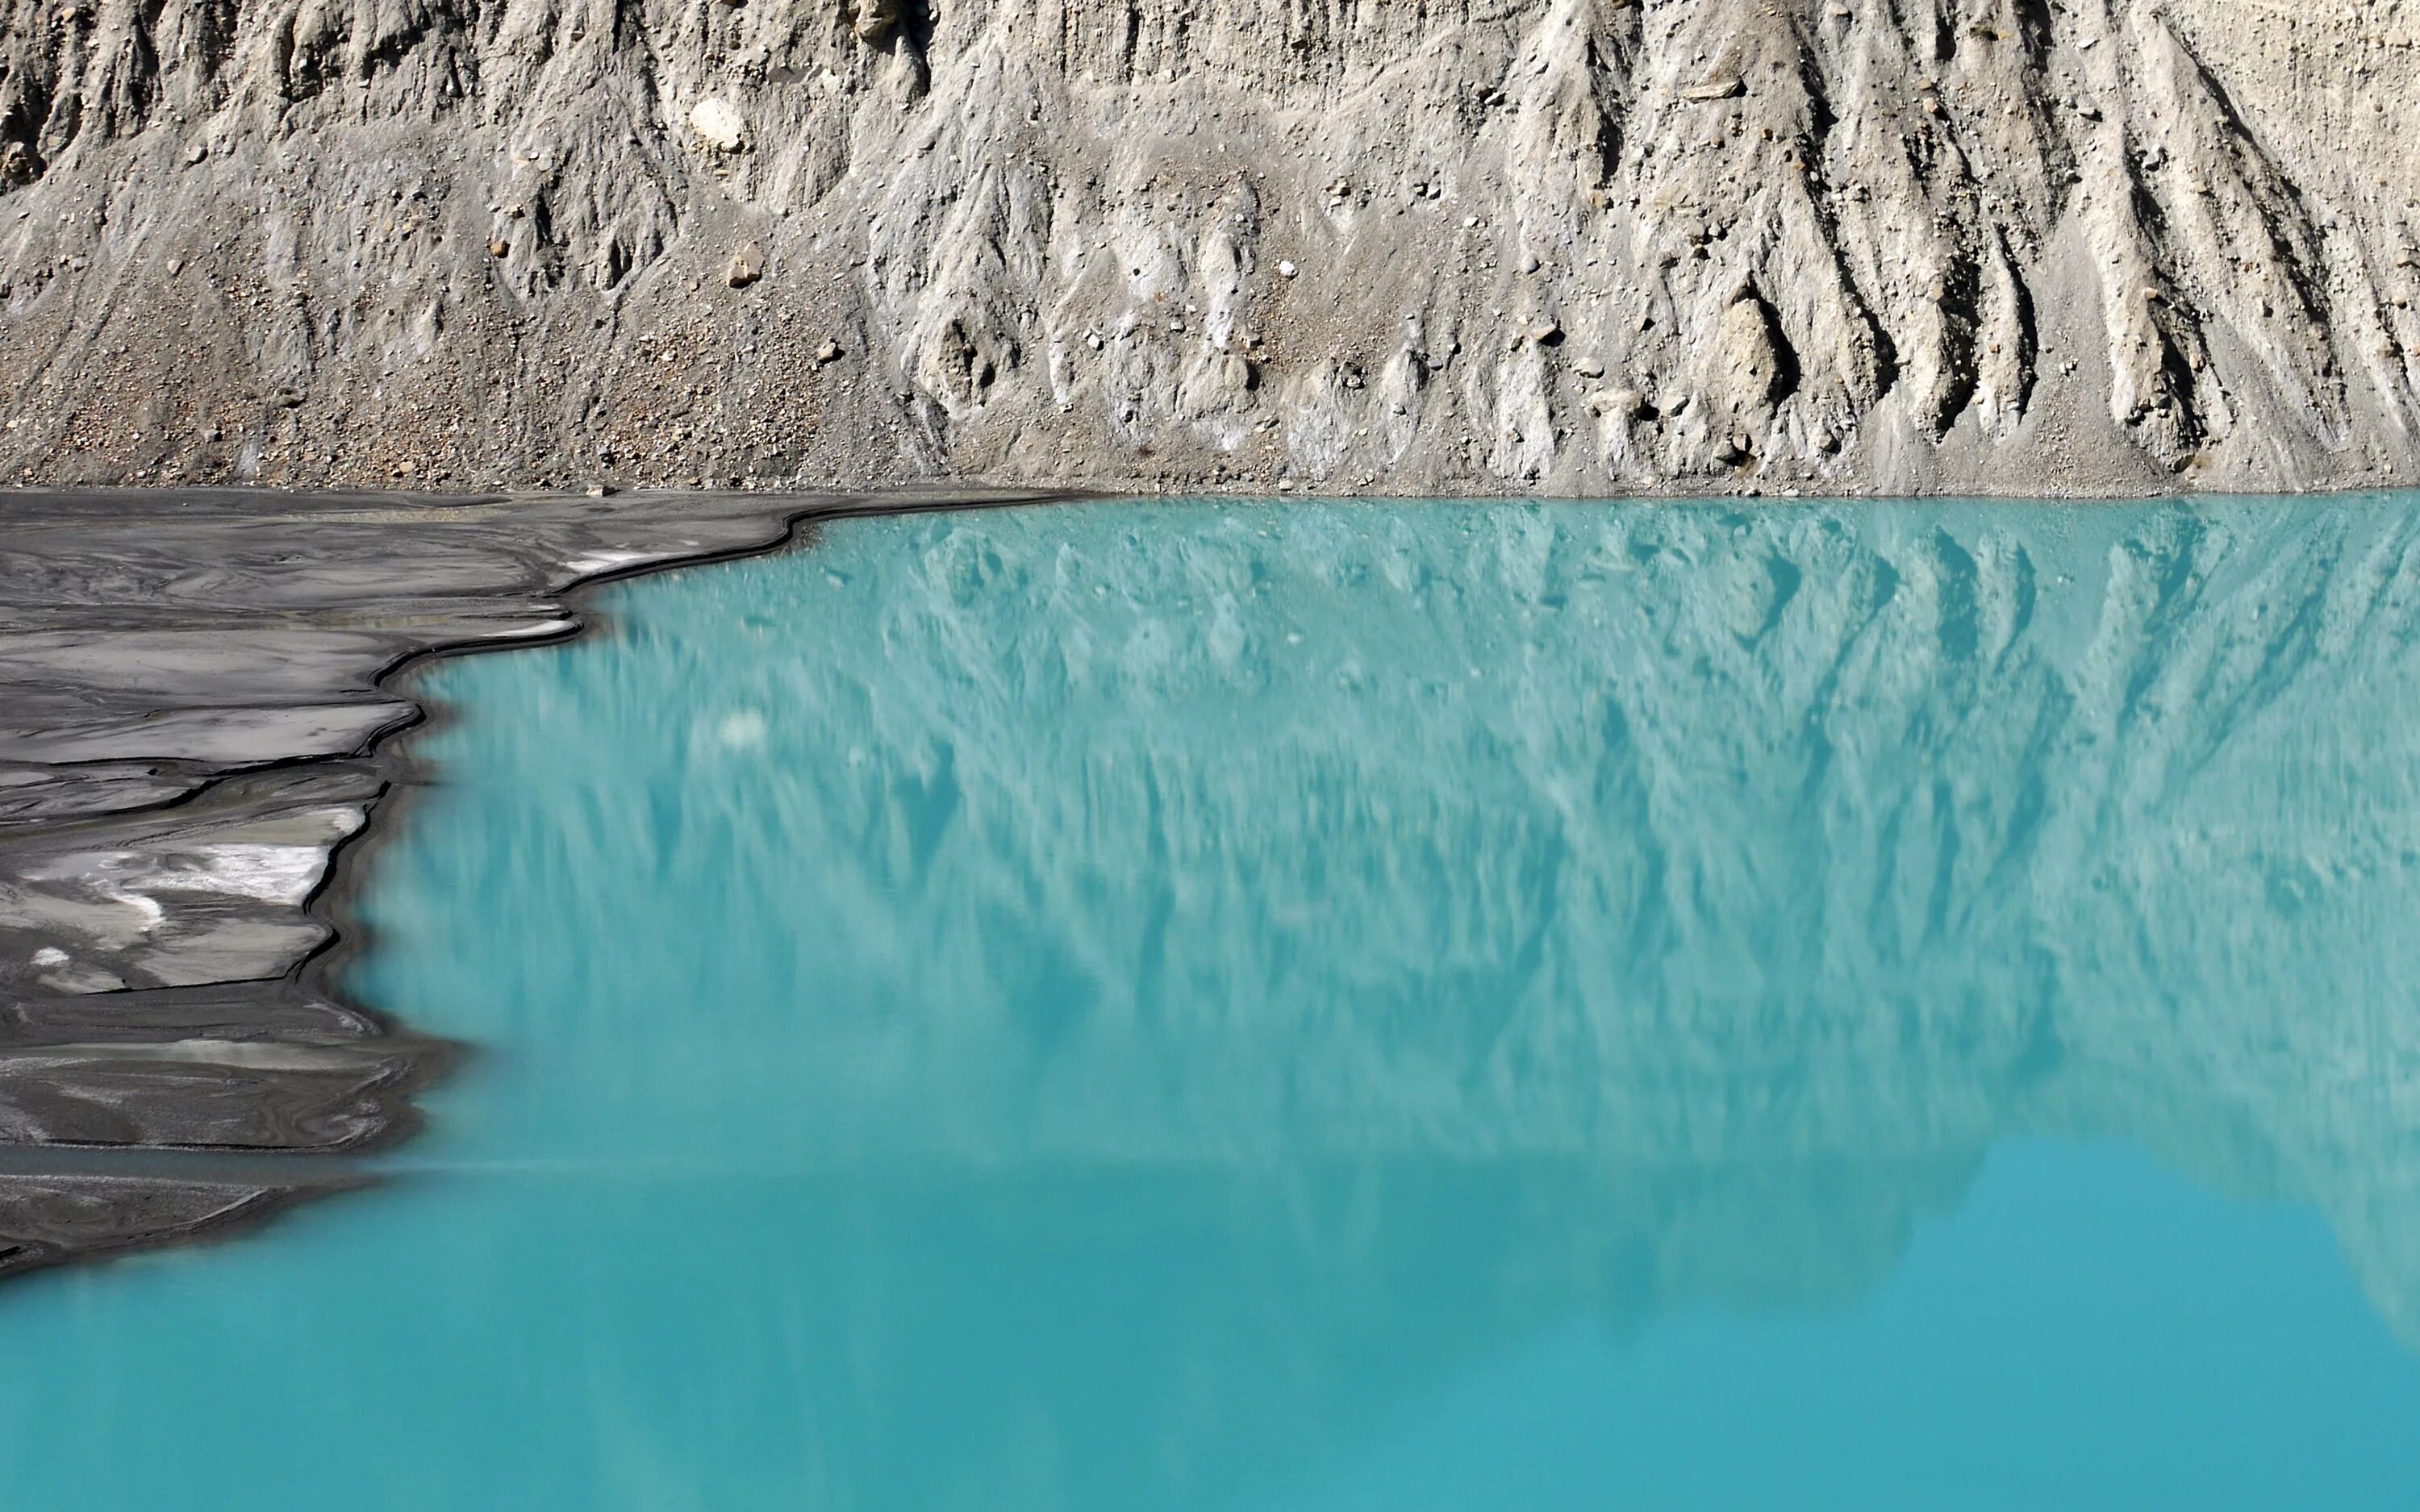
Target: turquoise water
1302	1007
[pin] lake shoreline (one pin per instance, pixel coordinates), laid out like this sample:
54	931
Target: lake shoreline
204	692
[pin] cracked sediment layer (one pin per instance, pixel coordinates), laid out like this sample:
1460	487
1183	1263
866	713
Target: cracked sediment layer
195	703
1563	246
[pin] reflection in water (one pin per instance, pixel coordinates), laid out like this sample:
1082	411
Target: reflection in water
1123	1007
1742	846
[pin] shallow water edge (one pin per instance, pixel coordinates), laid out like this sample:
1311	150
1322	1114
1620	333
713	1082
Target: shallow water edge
198	692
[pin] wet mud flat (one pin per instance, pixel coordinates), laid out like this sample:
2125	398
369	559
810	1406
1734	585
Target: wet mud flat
193	713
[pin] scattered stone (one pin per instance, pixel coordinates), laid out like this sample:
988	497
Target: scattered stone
719	124
1619	404
19	166
747	267
826	353
873	20
1286	270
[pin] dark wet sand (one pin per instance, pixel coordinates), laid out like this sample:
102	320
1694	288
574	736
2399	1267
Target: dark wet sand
193	713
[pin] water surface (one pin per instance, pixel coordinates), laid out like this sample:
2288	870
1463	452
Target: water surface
1316	1006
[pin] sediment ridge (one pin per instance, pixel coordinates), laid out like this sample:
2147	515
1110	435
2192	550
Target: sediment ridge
1571	246
193	703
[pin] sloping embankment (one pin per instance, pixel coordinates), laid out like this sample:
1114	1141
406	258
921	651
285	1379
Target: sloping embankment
1576	246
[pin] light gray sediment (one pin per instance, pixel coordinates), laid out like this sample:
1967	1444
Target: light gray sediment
2093	247
193	696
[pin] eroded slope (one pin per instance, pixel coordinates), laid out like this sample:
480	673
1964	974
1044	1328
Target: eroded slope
1562	244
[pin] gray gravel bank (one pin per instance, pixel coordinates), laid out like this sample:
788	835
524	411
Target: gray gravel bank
193	702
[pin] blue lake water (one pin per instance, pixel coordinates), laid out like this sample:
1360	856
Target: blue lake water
1313	1005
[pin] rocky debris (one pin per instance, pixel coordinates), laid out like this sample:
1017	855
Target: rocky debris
1617	404
719	124
1750	368
191	715
48	1217
746	266
19	166
470	243
873	20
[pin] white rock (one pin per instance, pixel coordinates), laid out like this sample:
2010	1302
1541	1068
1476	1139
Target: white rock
719	124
